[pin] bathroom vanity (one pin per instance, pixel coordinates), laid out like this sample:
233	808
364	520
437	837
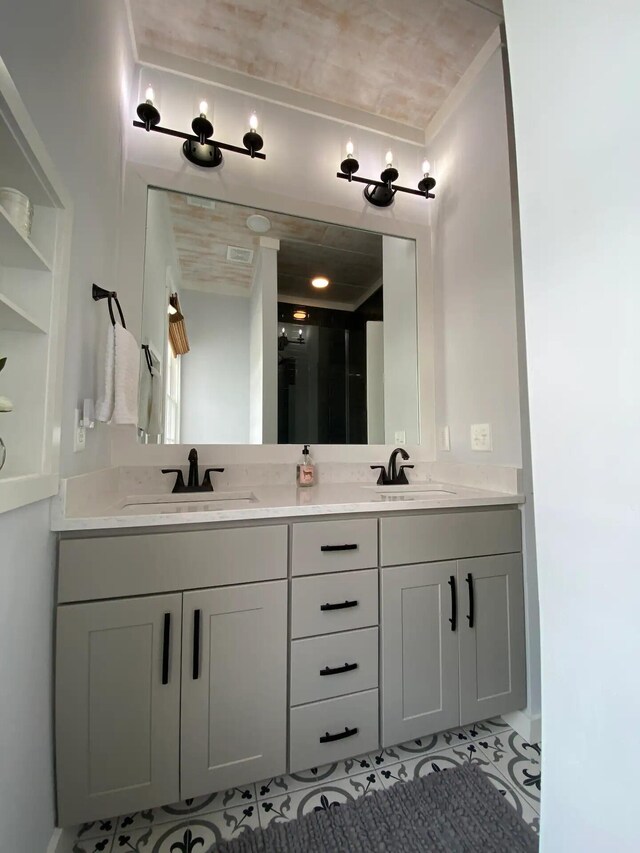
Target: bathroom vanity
192	659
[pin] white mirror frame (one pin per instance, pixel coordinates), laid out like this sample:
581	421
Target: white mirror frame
138	178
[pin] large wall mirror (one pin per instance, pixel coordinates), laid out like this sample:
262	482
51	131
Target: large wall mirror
263	328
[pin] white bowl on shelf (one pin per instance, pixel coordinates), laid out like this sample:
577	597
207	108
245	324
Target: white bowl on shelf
18	208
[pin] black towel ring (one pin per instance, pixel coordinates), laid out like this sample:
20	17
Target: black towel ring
110	295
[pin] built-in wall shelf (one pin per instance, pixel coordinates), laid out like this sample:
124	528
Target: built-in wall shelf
16	250
16	319
33	285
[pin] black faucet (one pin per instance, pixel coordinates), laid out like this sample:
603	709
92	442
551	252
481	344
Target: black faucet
192	484
390	476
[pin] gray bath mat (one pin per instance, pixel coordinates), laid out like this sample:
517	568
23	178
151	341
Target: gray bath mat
453	811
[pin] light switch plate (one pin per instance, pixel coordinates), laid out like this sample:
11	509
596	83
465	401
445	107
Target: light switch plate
400	436
481	437
79	434
444	438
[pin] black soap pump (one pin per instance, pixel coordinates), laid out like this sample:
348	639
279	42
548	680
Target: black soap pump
306	470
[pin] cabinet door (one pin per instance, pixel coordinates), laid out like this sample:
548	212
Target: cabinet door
492	652
234	686
419	652
117	706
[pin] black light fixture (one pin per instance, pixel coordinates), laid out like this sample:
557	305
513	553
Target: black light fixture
382	193
199	148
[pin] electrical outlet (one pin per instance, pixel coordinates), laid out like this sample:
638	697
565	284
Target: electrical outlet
400	436
444	438
481	437
79	434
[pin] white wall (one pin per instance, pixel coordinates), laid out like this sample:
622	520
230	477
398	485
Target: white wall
26	625
72	66
375	382
400	340
474	277
214	405
574	71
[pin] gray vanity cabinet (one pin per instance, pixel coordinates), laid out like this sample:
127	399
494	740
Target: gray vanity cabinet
234	686
419	653
448	659
492	648
117	706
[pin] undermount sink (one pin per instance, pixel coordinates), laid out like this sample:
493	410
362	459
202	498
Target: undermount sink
412	492
195	502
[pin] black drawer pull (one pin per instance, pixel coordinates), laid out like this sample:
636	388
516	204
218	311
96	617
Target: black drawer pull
166	640
471	615
340	606
339	547
196	644
454	603
336	670
346	733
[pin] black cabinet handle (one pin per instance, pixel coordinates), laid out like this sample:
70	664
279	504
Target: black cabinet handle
454	603
472	608
352	547
166	640
336	670
346	733
196	644
340	606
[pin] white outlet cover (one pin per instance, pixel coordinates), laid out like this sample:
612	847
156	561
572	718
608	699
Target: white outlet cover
400	436
79	434
481	437
444	438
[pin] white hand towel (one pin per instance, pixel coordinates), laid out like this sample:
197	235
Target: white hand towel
146	390
126	377
155	412
106	368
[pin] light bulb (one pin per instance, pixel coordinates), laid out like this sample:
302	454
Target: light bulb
253	121
426	167
148	95
388	158
300	332
320	281
283	332
349	148
204	106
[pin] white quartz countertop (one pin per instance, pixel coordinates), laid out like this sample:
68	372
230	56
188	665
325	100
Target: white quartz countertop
261	502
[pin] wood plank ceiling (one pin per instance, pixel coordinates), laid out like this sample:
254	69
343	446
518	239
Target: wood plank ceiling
394	58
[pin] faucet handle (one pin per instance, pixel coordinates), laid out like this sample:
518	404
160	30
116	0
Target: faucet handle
402	477
179	484
206	480
382	479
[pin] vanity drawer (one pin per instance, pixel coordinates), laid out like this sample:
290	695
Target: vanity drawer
329	603
353	719
334	546
435	536
116	566
323	667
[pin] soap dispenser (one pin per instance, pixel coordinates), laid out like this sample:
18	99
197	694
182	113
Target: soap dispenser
306	470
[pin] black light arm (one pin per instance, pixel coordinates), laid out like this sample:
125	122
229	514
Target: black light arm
253	141
372	183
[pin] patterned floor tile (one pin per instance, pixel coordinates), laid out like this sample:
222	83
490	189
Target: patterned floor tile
413	768
515	799
92	837
486	728
325	796
518	761
419	746
279	785
197	832
196	806
68	843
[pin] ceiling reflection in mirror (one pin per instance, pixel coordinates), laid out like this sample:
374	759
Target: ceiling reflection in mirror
266	328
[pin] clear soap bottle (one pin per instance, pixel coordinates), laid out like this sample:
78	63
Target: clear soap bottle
306	470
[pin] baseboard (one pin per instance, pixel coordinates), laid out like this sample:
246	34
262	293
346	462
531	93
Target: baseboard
529	728
53	844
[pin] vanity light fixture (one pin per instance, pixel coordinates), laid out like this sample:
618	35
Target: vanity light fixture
320	282
199	147
382	193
